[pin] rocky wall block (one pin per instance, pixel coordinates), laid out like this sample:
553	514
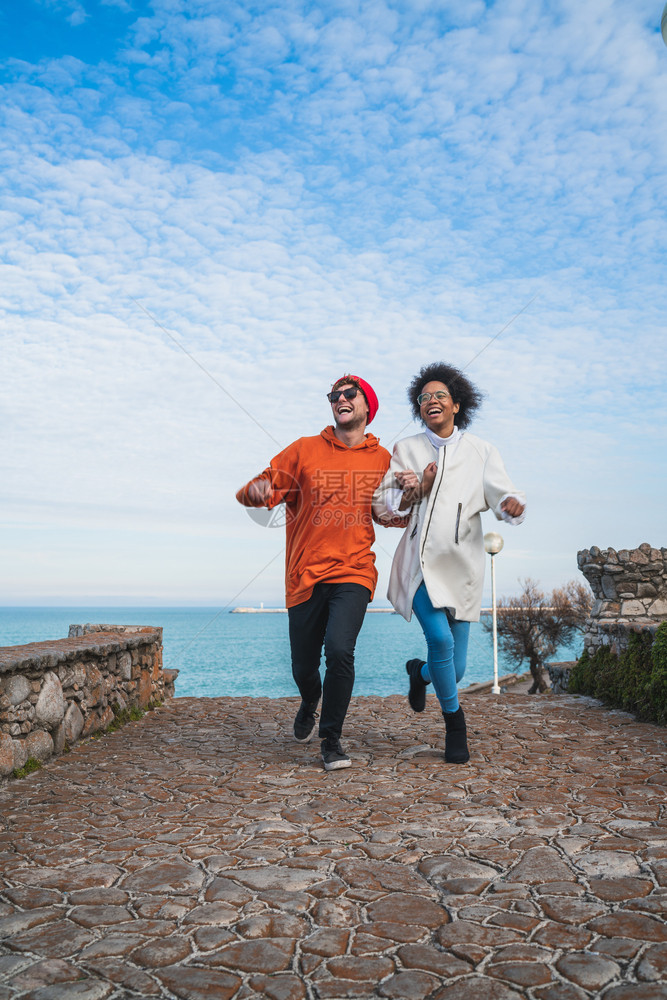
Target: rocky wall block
16	688
58	737
20	753
616	634
106	717
120	701
39	745
6	754
169	682
630	588
125	665
73	723
559	675
54	693
73	675
50	706
145	688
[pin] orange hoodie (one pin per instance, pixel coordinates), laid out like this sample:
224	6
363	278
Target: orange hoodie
327	489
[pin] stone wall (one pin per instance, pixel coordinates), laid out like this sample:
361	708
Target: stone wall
630	591
55	693
559	675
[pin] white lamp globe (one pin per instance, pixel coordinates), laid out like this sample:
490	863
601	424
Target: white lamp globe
493	543
663	24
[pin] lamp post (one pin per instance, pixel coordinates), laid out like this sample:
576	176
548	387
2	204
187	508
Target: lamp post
493	543
663	24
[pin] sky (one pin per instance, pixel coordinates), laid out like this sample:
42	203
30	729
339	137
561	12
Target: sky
209	211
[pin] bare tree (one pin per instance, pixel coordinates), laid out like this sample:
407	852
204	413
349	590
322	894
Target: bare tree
533	625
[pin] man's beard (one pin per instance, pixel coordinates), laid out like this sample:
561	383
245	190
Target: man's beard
354	425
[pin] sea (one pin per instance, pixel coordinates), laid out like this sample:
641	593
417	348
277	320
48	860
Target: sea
219	653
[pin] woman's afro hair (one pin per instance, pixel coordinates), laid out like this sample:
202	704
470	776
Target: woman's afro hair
461	390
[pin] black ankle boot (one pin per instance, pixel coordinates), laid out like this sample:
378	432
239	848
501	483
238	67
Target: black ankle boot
417	692
456	743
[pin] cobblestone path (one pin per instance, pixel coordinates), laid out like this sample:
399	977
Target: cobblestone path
201	853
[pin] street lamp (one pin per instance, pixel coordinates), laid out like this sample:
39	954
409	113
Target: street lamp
663	24
493	543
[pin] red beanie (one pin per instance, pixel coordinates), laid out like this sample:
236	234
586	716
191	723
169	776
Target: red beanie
367	390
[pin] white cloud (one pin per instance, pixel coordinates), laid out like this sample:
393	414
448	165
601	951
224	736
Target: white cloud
73	11
296	191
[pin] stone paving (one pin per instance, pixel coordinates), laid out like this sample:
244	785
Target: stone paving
201	853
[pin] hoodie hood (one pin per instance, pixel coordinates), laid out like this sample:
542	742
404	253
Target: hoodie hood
370	441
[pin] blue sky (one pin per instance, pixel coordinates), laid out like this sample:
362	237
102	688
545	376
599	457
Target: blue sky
295	190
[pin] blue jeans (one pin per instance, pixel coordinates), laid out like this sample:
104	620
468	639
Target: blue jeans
447	644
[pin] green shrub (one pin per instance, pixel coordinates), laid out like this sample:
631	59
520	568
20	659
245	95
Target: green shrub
587	676
580	681
32	764
132	714
657	687
635	681
640	668
623	681
124	715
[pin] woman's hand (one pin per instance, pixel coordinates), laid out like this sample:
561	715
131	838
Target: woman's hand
428	477
414	488
512	507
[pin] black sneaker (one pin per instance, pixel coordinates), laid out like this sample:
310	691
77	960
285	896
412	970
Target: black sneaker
304	724
417	692
333	755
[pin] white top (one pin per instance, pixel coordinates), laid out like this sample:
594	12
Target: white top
439	442
443	543
394	497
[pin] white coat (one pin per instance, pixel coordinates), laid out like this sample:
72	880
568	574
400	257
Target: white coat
443	542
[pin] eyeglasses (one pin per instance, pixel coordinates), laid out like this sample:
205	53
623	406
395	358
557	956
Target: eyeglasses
334	396
426	396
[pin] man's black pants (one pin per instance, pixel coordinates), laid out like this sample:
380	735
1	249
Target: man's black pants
332	616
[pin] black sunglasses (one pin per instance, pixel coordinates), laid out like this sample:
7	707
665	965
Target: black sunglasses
334	396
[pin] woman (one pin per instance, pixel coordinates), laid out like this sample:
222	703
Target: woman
438	568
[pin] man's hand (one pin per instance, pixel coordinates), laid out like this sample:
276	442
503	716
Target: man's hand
257	493
413	487
407	480
512	507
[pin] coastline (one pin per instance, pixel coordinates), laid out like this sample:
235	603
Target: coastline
274	611
283	611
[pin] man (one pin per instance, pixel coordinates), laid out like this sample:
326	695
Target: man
327	483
